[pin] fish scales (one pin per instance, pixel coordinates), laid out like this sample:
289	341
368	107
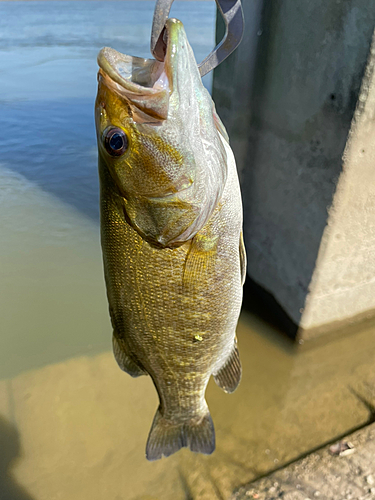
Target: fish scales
174	304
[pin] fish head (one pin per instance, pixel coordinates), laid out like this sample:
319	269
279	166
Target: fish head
160	139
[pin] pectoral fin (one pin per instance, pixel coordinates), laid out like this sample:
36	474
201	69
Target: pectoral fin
125	362
243	260
201	259
229	375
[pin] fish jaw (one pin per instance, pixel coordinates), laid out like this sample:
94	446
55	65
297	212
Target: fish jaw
142	82
175	170
148	83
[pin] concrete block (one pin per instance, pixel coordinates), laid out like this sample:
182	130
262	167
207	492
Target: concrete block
342	287
288	98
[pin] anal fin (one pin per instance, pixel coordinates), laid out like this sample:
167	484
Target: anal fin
229	375
125	362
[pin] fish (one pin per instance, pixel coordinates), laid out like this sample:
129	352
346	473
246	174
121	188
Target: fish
171	235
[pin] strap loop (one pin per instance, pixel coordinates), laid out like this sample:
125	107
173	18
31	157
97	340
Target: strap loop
232	13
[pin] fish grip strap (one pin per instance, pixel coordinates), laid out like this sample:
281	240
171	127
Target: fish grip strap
232	13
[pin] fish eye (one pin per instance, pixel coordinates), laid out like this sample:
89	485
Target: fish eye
115	141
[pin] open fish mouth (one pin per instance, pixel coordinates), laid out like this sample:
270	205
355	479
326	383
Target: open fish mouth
146	83
133	73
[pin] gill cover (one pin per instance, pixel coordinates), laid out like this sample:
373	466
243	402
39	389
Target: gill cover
173	172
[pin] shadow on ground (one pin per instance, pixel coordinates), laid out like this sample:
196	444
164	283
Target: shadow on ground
9	451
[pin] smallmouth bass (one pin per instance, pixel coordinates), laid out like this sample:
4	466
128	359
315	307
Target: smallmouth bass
171	234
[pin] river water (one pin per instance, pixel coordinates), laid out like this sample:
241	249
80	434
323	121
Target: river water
48	166
72	425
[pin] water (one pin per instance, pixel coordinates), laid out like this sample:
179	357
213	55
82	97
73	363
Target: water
51	285
72	425
48	83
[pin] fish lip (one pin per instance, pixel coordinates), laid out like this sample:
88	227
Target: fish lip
173	33
143	83
115	65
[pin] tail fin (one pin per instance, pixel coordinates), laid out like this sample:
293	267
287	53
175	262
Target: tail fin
166	438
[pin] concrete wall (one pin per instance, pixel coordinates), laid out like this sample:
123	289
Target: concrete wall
343	283
288	98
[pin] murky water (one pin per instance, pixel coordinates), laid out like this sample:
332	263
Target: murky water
52	295
72	425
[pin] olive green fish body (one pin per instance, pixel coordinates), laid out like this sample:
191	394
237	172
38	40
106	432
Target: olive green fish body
173	270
